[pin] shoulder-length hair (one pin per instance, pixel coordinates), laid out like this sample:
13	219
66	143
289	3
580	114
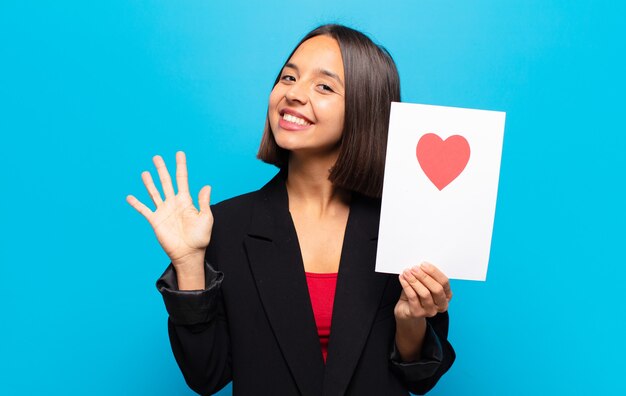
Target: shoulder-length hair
371	84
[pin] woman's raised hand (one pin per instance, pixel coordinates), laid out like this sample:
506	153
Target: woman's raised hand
182	230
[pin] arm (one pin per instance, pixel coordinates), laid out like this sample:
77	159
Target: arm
198	331
190	288
436	358
422	353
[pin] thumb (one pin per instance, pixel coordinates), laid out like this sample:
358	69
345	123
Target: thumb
204	199
404	284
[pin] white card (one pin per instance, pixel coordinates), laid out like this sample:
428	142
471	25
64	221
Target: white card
439	194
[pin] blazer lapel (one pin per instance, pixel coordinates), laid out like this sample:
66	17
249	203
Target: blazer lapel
276	264
358	295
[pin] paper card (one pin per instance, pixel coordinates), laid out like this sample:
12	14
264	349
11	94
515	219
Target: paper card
440	189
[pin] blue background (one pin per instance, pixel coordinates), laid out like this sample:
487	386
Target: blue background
91	90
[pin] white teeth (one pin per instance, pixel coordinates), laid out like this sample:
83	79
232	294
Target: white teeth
295	120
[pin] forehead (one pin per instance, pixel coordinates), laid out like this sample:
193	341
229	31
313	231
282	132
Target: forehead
320	52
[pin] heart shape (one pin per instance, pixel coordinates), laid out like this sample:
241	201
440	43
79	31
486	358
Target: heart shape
442	160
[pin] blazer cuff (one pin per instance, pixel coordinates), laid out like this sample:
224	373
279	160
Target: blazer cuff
189	307
430	360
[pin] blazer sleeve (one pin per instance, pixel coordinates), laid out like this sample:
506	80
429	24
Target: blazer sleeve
436	358
198	331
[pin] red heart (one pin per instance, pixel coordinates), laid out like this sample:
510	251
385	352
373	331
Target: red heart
442	160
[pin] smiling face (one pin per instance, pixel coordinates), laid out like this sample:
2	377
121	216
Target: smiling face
307	105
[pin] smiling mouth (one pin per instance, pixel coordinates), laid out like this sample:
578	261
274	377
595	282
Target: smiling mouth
295	120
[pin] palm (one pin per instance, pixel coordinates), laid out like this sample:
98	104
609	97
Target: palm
181	229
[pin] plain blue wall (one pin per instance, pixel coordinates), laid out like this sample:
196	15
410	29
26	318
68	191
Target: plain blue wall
90	90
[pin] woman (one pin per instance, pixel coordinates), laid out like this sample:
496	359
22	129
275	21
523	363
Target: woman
276	289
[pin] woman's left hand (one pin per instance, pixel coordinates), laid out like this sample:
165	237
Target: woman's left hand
425	293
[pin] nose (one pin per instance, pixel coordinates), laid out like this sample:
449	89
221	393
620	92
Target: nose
297	93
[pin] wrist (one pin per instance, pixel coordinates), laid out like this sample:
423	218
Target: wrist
410	333
411	325
190	272
190	262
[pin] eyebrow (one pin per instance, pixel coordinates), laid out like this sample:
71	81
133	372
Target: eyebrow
320	71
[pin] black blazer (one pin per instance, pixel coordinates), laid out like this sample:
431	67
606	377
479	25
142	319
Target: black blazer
254	325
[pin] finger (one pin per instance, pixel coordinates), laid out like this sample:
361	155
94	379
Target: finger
164	176
152	190
414	307
440	277
403	295
436	290
139	207
408	292
181	173
425	298
204	199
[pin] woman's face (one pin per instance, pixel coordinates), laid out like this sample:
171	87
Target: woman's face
306	107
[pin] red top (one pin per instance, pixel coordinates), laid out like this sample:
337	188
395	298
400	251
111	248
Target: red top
322	292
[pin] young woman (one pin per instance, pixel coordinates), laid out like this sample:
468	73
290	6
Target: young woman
275	290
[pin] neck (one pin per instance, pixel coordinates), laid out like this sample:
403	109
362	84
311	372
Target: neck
308	185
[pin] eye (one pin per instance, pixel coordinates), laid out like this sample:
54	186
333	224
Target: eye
287	78
325	87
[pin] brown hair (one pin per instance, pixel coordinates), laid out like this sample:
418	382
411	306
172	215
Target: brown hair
372	83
